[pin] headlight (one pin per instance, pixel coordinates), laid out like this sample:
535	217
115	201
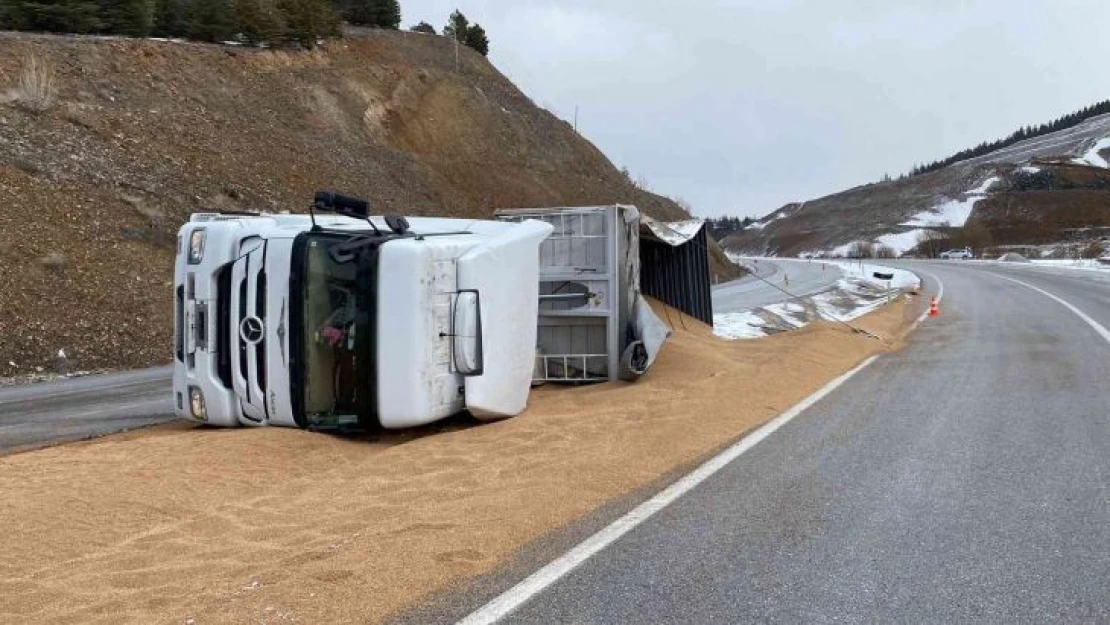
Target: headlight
196	404
196	246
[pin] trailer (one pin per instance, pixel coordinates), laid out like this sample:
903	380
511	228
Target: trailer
596	267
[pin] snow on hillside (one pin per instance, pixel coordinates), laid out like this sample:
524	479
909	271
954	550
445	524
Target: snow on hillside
1092	156
953	212
763	223
901	242
950	213
894	213
1050	145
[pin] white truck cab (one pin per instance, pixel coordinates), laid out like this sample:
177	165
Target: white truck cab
342	320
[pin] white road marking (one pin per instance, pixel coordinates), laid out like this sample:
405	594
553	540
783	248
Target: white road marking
1098	327
537	582
940	296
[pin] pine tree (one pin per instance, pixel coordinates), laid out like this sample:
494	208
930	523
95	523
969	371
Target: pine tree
375	13
210	20
170	18
476	38
389	14
457	26
133	18
55	16
260	21
309	20
424	27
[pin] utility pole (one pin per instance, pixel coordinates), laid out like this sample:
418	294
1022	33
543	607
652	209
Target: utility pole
575	118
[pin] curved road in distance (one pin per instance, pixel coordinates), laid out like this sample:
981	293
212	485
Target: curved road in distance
806	277
963	478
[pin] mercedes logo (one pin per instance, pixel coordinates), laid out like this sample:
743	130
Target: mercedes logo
251	330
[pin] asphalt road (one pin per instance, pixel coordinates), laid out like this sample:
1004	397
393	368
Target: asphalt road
964	478
799	277
52	412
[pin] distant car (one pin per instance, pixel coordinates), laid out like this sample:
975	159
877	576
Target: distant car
961	254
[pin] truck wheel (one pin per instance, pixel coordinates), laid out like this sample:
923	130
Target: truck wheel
633	361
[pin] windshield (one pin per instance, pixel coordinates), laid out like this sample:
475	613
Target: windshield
332	331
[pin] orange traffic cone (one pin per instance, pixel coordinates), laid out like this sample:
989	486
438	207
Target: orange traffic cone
934	308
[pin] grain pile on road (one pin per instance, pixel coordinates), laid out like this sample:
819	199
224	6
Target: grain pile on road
269	525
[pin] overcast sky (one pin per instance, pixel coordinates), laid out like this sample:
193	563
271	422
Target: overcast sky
739	106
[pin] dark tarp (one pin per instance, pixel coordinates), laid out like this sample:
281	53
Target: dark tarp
674	266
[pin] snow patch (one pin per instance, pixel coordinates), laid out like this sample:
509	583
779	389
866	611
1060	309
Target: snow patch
953	212
1029	169
901	242
856	294
739	325
763	223
866	272
1085	264
790	312
827	306
1092	156
983	188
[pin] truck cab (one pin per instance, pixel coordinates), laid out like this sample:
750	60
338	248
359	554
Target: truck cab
341	321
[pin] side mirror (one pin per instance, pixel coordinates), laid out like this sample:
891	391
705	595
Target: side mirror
466	334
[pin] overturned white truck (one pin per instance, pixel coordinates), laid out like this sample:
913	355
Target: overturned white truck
344	320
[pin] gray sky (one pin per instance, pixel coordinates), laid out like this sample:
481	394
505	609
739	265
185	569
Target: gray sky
741	106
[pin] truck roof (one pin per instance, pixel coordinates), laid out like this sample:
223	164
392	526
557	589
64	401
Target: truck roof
418	225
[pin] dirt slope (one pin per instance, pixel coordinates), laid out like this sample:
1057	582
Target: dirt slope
143	132
1042	194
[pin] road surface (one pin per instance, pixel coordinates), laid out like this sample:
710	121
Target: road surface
79	408
964	478
799	277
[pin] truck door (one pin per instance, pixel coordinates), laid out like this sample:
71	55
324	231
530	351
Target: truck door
502	278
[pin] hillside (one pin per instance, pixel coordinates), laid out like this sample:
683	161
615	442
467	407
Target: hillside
142	133
1054	187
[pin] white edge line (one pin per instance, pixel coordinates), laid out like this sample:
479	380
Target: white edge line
1098	327
550	573
940	296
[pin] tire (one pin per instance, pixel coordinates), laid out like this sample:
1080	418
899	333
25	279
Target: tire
634	361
